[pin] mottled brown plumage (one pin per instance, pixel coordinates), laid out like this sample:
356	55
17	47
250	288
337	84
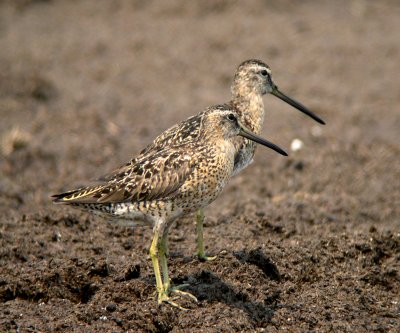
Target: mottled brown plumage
251	81
182	173
187	166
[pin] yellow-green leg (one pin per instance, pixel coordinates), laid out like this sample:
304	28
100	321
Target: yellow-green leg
163	261
157	252
166	279
154	258
200	238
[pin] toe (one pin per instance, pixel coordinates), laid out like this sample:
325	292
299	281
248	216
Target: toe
206	258
184	294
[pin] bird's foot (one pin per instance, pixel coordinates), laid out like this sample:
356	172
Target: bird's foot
177	290
204	257
165	298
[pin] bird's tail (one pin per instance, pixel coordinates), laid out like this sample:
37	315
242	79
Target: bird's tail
81	195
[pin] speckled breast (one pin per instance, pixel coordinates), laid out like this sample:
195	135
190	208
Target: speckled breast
209	178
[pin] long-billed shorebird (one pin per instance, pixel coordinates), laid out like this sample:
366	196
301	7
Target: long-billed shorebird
252	80
170	180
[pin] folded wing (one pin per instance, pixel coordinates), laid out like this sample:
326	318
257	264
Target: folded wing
148	177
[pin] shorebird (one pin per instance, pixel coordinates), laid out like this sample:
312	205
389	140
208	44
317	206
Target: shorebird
252	80
171	180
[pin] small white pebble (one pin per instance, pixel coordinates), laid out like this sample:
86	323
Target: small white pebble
296	145
103	318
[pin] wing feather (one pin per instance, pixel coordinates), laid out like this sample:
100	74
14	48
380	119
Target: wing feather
147	178
157	172
183	133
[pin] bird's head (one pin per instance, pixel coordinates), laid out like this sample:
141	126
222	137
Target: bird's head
223	121
253	77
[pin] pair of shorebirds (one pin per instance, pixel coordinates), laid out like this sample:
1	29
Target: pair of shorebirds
186	167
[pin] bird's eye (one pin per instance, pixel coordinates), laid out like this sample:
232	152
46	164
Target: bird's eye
231	117
264	72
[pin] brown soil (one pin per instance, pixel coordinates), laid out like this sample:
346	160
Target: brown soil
305	243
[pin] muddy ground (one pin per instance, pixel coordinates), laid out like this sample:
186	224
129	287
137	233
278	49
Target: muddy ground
309	243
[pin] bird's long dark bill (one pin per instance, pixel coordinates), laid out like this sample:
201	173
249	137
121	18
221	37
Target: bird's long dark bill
296	105
251	136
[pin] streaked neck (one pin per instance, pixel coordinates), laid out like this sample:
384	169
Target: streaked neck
251	109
